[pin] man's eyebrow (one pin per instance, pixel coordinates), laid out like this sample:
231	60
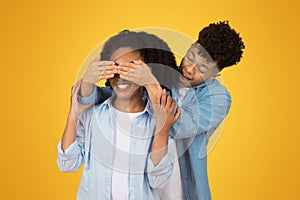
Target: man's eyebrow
193	54
199	54
203	65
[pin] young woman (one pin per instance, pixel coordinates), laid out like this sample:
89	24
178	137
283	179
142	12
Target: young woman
124	142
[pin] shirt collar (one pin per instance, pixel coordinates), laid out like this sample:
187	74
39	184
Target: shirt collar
148	108
204	84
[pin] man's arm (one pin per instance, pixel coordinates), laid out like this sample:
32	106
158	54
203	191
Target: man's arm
97	70
98	96
86	88
89	92
202	112
139	73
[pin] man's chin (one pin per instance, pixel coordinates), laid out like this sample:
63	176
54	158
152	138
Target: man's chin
183	82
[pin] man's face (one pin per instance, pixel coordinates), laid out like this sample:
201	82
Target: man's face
196	69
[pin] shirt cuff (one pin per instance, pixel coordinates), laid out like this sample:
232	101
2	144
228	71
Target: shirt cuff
88	99
166	162
70	153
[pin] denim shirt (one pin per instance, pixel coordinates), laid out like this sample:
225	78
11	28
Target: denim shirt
203	109
94	146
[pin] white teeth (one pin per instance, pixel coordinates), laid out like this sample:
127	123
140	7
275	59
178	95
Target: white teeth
185	76
123	86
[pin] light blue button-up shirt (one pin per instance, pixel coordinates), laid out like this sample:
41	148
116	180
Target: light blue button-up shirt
94	146
203	109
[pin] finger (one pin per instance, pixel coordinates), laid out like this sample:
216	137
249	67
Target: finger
97	64
132	78
126	72
139	62
106	72
75	90
172	105
76	86
98	57
102	72
163	98
177	114
127	78
168	101
106	77
128	64
157	100
122	71
126	68
111	67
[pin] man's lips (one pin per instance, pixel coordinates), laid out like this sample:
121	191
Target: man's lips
185	76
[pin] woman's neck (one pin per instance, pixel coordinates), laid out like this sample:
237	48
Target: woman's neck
132	105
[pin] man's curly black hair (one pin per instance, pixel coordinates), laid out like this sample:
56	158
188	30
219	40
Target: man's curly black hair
153	50
223	44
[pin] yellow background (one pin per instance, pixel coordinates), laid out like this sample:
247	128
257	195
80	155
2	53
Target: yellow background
43	44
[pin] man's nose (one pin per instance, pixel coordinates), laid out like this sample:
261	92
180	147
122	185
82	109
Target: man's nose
189	68
187	65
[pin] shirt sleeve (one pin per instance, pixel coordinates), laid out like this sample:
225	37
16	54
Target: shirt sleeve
72	158
99	95
160	174
202	113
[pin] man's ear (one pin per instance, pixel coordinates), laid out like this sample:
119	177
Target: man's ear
217	74
213	76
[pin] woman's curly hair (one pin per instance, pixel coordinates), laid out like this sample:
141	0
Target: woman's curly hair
223	44
154	52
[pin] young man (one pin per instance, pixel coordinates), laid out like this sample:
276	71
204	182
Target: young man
204	101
